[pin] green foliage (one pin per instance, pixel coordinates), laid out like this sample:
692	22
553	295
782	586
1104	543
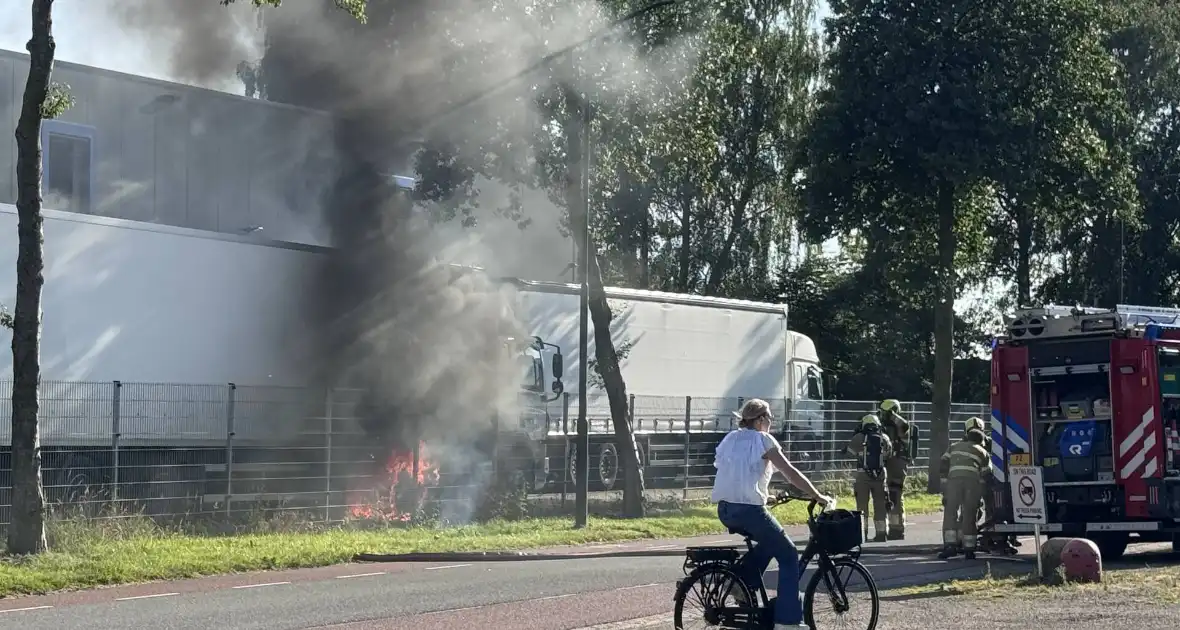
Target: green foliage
57	101
728	142
5	318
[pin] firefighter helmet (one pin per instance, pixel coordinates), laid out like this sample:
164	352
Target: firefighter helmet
890	404
973	423
869	419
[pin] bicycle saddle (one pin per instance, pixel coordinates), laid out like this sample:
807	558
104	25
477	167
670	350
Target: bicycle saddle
739	532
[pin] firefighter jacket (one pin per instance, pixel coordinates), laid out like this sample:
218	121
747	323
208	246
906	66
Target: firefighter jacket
965	459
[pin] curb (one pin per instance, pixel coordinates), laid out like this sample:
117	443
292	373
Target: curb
525	556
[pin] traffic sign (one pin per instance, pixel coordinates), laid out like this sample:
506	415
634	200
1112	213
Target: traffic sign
1028	495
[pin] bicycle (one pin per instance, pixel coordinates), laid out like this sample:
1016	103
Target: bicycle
835	543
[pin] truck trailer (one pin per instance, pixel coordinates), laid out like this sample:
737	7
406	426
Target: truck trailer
1092	396
166	348
688	361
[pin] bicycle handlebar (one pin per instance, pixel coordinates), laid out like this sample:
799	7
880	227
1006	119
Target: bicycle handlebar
785	497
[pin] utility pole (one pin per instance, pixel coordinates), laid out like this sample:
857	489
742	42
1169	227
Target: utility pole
582	482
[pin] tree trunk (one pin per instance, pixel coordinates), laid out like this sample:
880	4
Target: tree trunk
685	237
944	331
606	358
26	534
645	244
1024	230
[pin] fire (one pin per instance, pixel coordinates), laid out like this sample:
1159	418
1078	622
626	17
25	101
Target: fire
400	488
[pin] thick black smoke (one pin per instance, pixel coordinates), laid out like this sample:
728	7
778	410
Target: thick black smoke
393	317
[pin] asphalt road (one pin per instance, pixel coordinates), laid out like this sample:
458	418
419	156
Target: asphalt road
535	595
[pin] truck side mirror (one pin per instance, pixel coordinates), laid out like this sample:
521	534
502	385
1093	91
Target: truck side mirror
558	366
558	387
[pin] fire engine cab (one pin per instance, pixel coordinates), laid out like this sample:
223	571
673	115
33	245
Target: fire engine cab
1093	397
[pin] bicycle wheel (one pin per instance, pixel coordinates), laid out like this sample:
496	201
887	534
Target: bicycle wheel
843	585
703	591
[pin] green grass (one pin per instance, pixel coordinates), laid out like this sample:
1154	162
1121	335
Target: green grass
1159	584
130	550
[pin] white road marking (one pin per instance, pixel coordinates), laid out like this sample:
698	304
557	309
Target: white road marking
25	609
642	622
359	575
543	599
662	547
447	566
628	588
127	599
261	585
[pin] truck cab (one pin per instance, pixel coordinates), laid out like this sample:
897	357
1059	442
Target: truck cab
1091	395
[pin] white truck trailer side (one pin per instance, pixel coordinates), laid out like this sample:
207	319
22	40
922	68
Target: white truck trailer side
689	361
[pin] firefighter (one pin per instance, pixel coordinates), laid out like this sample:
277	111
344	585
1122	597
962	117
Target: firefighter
962	467
872	448
897	429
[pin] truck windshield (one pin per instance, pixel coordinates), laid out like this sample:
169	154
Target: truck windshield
531	378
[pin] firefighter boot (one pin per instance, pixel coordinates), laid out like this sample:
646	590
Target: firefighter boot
880	530
948	552
969	554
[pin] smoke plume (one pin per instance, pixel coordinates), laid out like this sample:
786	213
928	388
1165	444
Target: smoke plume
396	319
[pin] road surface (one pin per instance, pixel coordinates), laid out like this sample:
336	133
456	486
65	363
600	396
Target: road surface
535	595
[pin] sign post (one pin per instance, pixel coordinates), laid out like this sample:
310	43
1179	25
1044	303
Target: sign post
1028	503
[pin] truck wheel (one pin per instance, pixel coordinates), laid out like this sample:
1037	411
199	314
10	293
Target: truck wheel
608	466
1112	545
571	459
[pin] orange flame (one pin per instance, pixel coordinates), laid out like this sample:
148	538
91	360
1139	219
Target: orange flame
399	468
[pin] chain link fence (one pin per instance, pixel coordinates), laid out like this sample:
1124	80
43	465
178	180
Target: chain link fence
223	453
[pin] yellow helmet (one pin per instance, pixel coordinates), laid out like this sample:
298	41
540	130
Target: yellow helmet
890	404
868	419
973	423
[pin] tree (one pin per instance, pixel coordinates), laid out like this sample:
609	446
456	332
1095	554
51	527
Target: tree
920	120
42	100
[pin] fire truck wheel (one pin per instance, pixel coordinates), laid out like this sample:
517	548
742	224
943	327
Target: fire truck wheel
608	466
1112	545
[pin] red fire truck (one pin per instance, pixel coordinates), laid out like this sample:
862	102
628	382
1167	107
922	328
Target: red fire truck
1093	397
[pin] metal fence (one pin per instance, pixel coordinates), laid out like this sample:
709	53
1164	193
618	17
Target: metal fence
226	453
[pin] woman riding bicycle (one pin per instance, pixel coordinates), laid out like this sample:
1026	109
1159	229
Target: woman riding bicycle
741	489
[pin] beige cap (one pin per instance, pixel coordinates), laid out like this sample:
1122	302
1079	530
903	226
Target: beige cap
753	408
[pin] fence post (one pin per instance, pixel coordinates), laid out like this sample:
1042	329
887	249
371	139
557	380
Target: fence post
328	456
565	439
115	435
687	423
229	448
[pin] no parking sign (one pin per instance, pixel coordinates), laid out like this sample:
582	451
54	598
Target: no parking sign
1028	495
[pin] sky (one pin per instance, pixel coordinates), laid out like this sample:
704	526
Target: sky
86	32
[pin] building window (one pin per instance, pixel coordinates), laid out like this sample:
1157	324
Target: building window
67	178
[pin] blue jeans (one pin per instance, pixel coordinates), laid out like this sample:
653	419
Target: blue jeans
773	542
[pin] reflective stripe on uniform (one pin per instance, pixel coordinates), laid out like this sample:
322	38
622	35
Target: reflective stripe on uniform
968	459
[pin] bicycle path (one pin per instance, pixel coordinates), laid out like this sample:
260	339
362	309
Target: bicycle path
585	591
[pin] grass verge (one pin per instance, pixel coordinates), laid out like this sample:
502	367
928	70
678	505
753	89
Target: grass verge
1154	584
129	550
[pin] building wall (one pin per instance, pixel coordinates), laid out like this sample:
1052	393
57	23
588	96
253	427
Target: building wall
175	155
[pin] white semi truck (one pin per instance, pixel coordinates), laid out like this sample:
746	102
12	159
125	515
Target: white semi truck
164	349
688	361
